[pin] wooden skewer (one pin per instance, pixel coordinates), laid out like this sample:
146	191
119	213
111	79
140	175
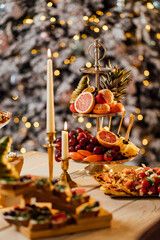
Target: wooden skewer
120	125
131	121
110	121
102	123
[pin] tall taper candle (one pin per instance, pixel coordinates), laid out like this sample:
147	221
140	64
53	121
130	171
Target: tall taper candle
50	95
65	142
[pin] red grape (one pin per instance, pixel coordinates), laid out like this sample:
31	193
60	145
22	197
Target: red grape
58	155
72	142
71	149
58	140
119	157
58	147
116	148
113	153
103	149
81	135
78	147
158	189
78	130
97	150
72	134
89	136
89	147
94	141
83	142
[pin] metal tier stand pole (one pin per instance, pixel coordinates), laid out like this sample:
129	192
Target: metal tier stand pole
97	66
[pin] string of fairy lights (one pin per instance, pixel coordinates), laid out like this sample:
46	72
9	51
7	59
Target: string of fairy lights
93	22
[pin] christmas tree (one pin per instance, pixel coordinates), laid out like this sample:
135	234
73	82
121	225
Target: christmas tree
131	35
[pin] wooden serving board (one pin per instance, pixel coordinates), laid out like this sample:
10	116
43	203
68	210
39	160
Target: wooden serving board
103	220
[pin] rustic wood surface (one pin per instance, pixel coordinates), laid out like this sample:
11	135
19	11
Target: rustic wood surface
131	216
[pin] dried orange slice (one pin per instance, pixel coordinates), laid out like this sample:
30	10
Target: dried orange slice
106	138
84	102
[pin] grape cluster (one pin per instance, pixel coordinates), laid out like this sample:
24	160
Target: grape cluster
79	139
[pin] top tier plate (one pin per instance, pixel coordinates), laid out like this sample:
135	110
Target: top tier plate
93	71
90	115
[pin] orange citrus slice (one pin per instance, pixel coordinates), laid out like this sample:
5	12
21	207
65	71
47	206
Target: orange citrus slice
106	138
108	95
101	108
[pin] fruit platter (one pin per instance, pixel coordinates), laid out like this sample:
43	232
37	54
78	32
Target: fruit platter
5	118
130	182
99	100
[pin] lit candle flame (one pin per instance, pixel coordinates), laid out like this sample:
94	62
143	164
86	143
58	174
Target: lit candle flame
65	126
49	53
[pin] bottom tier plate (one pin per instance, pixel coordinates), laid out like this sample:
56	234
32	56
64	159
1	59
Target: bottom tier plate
105	162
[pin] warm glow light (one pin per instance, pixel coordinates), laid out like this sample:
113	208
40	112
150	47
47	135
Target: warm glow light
85	18
36	124
16	120
128	35
62	22
122	15
52	19
105	27
55	54
72	58
158	35
65	126
96	20
49	4
91	19
100	13
148	28
24	119
140	57
88	64
76	37
88	125
109	14
144	141
140	117
66	61
150	5
142	151
34	51
49	53
146	83
28	124
84	35
62	44
23	150
57	72
28	21
43	18
138	110
80	119
131	15
96	29
69	22
14	98
146	73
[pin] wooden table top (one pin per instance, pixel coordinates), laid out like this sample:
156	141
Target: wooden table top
131	216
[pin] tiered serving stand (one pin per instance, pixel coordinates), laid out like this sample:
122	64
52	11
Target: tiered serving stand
94	167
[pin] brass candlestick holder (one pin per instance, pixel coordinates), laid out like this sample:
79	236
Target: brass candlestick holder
50	146
65	175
